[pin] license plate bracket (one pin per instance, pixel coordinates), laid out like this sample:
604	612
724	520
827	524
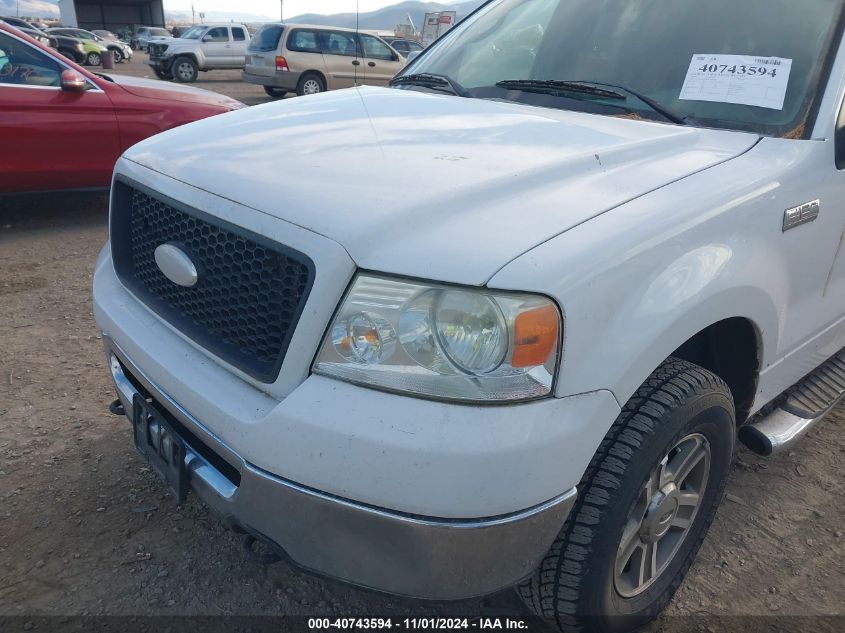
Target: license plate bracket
156	440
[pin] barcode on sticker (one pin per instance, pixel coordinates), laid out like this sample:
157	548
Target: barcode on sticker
768	62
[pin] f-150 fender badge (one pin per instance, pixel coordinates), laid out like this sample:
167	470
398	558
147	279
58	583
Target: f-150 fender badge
796	216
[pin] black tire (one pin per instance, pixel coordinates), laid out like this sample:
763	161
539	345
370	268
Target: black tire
93	59
310	83
577	584
117	54
162	74
184	70
276	93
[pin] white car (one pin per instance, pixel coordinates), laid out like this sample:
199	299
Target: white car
202	47
502	323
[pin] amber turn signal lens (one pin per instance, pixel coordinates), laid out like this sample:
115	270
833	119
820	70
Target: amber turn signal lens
535	336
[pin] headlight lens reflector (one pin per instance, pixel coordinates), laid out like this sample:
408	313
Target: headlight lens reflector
471	330
443	342
364	338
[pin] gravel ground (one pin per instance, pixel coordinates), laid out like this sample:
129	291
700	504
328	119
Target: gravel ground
87	529
227	82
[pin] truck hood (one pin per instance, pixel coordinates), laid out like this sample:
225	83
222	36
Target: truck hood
153	89
170	41
414	183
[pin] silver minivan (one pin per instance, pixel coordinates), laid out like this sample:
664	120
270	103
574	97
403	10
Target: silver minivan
309	59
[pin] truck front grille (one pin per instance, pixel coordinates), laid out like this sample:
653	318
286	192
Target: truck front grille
156	50
250	292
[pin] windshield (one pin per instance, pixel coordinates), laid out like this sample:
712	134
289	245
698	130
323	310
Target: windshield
159	33
266	38
193	33
751	65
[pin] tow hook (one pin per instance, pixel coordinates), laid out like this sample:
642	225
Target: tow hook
267	557
116	408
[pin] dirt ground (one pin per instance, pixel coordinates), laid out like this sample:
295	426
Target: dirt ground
87	529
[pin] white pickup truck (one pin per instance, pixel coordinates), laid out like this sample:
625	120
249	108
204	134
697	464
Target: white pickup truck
202	47
502	323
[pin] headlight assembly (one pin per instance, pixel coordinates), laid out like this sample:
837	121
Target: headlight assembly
444	342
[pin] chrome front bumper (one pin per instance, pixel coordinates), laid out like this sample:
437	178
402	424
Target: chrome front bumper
421	557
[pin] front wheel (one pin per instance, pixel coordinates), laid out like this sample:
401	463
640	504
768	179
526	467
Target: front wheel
93	59
118	55
276	93
644	505
184	70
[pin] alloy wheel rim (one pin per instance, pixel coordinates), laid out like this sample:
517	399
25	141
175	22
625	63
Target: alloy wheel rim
661	518
311	87
94	59
185	70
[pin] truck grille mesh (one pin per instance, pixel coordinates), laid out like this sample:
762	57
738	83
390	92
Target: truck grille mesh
250	292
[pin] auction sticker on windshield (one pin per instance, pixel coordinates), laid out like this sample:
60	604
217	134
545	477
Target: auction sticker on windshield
739	79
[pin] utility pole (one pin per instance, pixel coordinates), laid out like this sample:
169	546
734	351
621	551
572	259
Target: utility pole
193	14
282	2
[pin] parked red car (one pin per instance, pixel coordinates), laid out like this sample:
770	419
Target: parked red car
62	127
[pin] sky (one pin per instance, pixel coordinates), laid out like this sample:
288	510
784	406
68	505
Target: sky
270	8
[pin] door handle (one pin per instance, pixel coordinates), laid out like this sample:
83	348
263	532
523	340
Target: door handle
371	64
356	63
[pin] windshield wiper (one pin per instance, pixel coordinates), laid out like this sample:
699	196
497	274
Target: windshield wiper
594	88
430	80
553	87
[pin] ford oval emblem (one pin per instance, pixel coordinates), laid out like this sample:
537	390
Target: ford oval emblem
176	265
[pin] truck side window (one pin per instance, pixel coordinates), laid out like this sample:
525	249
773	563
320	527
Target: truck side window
218	34
238	34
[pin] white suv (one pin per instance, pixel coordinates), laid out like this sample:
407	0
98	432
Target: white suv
503	323
201	48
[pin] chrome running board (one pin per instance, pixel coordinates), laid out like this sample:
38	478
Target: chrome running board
806	404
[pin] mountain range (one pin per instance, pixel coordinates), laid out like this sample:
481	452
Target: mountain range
388	17
382	19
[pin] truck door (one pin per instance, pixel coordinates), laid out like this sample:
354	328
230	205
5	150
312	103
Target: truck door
217	47
240	39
